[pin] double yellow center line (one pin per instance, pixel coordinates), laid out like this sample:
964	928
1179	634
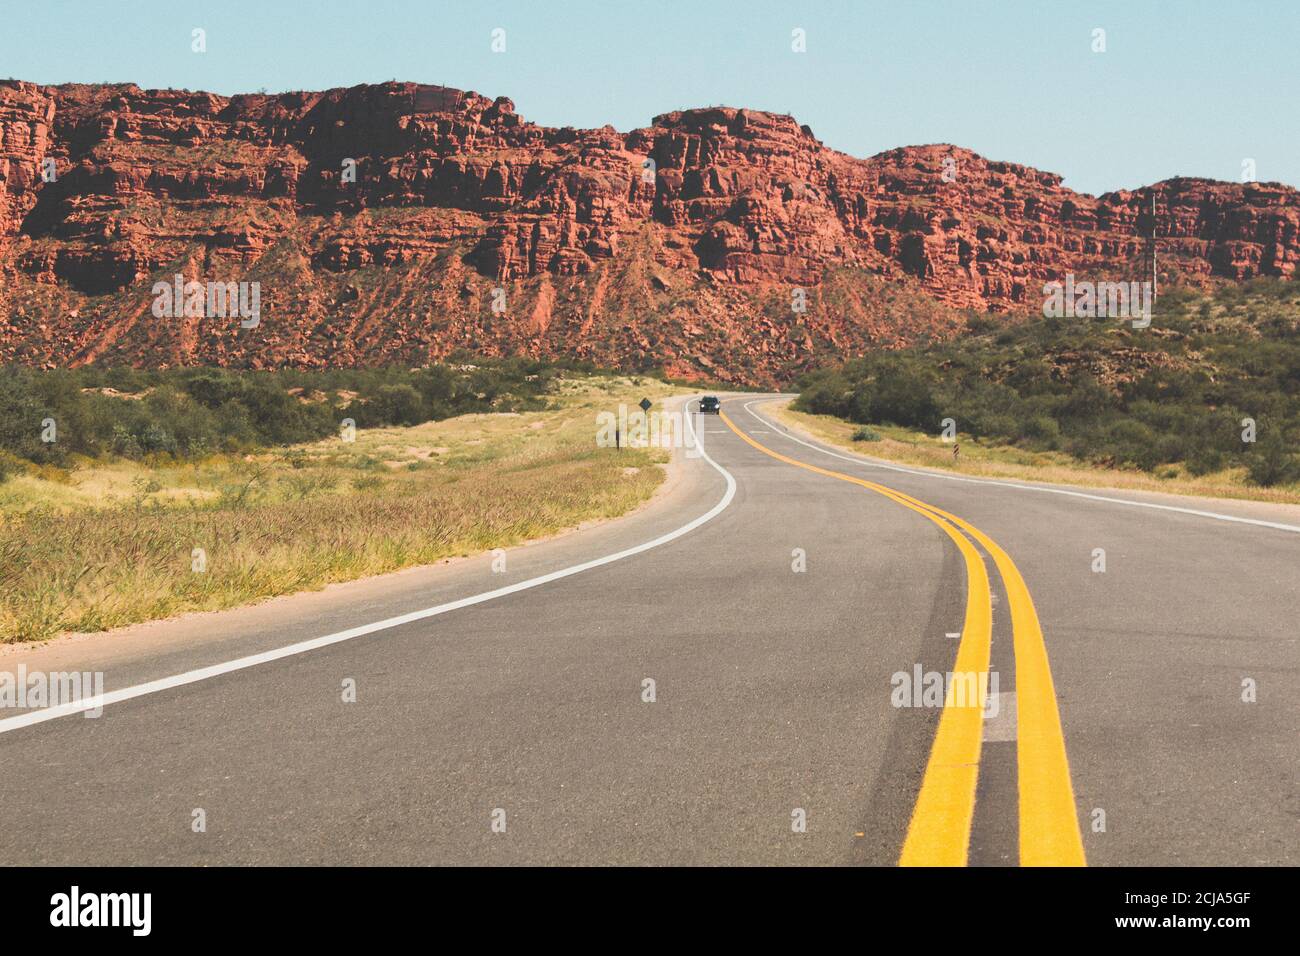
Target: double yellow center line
939	833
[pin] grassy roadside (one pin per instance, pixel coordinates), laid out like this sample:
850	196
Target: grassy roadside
995	459
113	542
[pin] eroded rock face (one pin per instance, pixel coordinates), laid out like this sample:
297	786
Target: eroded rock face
379	220
26	117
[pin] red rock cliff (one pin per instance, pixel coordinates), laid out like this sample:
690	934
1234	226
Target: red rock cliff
679	245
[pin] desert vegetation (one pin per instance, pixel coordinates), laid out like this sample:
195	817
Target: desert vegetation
180	414
229	487
1179	399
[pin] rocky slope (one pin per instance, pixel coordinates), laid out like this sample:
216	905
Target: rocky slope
688	245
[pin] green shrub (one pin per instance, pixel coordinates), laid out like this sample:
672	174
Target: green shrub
1042	430
1202	460
10	465
1100	391
1271	463
190	413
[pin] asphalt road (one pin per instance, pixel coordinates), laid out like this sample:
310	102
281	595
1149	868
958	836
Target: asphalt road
1121	736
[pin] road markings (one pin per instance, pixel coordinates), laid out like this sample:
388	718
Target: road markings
939	832
1049	826
876	463
31	717
1002	726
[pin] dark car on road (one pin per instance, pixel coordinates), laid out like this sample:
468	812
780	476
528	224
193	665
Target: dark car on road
710	405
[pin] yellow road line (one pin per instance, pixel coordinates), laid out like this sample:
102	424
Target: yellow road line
939	833
1049	824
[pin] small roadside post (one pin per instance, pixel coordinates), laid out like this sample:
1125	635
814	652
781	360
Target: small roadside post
645	405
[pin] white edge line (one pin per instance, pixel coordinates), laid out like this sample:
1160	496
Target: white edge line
215	670
873	463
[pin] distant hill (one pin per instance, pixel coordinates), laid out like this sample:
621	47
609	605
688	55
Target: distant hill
680	246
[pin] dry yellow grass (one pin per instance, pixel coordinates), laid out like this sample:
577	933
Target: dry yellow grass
114	543
991	460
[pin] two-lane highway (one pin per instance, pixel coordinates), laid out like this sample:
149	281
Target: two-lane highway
724	689
1171	642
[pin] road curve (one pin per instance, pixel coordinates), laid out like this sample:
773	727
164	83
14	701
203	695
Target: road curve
774	632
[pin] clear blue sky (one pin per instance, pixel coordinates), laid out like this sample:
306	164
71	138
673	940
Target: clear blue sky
1184	88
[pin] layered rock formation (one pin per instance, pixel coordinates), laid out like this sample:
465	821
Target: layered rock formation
396	223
